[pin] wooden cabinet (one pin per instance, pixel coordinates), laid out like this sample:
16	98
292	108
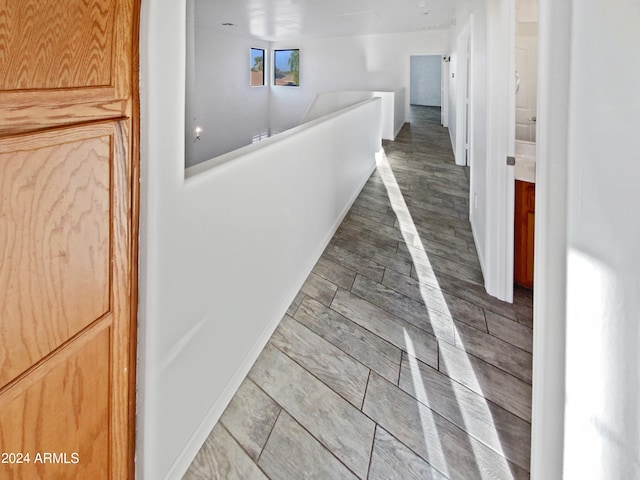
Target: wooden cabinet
68	229
524	233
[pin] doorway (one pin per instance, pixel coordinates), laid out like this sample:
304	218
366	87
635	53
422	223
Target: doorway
426	80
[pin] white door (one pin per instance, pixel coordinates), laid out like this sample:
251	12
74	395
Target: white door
444	113
463	98
467	103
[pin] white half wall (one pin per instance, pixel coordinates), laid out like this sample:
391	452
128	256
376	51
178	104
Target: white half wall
392	107
251	227
367	62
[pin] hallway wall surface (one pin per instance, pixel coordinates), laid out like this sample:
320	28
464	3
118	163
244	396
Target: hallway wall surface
602	416
367	62
587	342
224	251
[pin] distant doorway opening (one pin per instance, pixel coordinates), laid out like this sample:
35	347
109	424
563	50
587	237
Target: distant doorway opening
426	80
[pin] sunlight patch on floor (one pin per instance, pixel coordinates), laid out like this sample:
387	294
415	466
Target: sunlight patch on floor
436	306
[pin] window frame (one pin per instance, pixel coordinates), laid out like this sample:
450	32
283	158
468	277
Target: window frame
252	63
275	69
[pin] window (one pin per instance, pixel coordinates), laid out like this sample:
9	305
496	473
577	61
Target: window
257	67
286	70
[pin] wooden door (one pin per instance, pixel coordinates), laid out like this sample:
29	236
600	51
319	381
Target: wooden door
68	227
524	233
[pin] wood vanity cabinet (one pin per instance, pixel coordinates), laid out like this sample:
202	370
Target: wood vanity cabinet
524	233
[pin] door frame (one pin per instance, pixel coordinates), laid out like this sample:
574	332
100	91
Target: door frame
408	93
550	258
444	88
500	186
464	94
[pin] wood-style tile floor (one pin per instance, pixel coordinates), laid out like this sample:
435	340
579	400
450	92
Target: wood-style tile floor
392	362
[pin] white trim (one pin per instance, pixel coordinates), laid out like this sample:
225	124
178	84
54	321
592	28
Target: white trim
398	130
549	306
466	34
444	89
500	177
475	244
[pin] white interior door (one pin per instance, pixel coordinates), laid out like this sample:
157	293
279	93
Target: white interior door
464	102
467	103
444	88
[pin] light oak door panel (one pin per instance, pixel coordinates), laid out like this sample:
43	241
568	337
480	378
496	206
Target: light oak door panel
77	52
55	241
46	40
68	230
65	207
67	409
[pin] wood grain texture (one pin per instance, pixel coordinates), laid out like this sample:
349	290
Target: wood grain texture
52	44
492	383
328	363
366	347
250	417
66	62
222	458
307	458
397	331
55	242
68	77
524	233
333	421
391	460
438	441
123	307
484	420
63	408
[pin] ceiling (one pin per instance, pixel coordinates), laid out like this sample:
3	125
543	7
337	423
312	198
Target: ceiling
277	20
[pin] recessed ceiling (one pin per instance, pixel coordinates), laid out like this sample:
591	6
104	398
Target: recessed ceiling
276	20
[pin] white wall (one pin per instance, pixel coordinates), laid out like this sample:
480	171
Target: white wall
392	107
229	119
400	110
368	62
249	228
548	399
602	419
426	80
598	401
330	102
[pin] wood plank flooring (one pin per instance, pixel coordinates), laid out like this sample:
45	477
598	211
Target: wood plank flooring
392	362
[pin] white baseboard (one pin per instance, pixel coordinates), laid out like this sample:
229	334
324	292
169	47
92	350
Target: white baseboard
398	130
475	244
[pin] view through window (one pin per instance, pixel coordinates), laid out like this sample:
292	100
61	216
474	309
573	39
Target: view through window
286	70
257	67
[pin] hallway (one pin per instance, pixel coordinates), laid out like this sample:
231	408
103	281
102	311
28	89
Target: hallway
392	362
